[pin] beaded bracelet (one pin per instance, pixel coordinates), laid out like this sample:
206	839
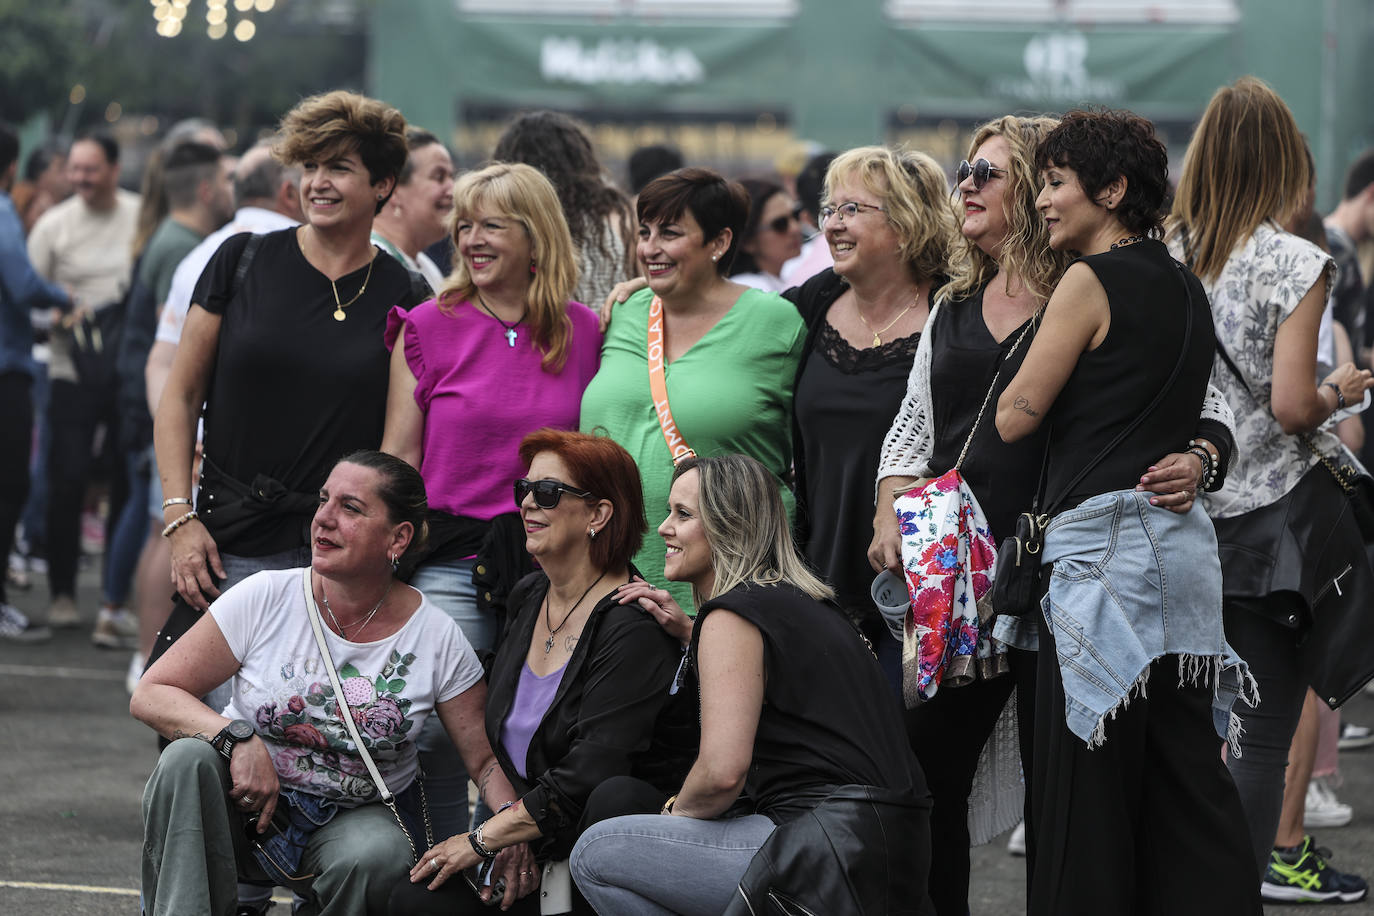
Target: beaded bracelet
478	845
1209	463
1340	395
175	501
167	532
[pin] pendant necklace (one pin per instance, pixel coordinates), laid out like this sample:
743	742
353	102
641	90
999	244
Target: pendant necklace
510	328
548	624
877	340
365	620
339	314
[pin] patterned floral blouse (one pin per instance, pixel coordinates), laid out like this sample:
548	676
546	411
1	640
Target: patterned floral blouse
1260	286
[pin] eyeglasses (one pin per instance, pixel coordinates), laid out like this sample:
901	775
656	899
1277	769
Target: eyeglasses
847	211
981	171
783	223
547	493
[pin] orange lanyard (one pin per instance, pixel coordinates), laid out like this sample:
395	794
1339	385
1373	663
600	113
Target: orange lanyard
658	386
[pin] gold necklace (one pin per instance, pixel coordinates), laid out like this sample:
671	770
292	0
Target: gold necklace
877	340
339	314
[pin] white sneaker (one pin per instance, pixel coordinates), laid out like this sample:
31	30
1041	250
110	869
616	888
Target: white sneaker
62	613
1353	737
115	628
135	672
1016	843
16	627
1323	809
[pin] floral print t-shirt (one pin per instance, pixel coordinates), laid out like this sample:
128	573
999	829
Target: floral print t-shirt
1262	283
283	687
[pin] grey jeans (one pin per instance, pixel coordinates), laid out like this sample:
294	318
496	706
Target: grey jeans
653	864
194	848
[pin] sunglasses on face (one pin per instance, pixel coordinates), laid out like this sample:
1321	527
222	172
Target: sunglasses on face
981	171
547	493
783	223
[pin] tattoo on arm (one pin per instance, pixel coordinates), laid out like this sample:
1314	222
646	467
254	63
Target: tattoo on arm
181	734
486	777
1023	405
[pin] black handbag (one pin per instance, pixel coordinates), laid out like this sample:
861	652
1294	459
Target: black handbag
1316	545
1017	576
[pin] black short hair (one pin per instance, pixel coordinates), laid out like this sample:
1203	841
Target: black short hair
715	203
9	146
416	138
1360	174
650	162
811	183
402	490
39	159
107	143
186	165
1101	144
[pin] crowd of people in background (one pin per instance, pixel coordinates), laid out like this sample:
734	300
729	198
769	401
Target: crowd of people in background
412	478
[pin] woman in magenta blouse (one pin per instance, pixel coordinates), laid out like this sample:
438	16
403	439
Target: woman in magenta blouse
499	353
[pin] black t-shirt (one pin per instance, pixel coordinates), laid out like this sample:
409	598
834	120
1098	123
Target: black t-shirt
1112	385
293	390
829	717
964	360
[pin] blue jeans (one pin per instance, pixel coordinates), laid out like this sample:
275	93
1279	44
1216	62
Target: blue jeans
130	531
650	864
35	519
448	584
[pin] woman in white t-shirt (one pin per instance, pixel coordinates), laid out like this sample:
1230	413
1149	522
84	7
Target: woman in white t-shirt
275	789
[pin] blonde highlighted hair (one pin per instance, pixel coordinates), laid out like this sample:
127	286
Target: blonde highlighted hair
747	528
912	188
1247	163
341	122
1026	249
521	193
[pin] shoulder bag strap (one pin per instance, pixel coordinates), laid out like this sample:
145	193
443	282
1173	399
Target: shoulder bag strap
346	713
245	261
1159	396
658	386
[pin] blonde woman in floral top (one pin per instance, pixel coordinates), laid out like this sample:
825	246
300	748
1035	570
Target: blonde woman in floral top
273	786
1245	172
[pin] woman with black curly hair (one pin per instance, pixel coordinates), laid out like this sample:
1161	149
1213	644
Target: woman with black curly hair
1134	680
599	216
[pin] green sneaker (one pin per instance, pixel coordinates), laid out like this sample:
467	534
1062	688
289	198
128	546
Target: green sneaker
1309	879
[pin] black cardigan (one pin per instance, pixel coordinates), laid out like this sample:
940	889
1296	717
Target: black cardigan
612	714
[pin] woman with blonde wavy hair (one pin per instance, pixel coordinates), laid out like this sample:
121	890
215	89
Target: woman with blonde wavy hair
788	717
1245	174
1001	275
499	353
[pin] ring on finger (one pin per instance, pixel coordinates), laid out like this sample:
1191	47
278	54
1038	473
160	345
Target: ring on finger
434	864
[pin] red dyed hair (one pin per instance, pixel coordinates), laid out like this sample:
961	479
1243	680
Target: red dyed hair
597	464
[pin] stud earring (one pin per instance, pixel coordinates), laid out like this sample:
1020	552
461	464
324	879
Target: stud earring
591	533
532	267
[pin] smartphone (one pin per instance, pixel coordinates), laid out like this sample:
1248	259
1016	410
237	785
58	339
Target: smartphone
480	876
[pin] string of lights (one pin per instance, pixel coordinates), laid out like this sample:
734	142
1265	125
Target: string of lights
171	17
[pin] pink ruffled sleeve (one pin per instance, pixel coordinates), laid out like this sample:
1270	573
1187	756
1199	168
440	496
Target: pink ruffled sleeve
401	323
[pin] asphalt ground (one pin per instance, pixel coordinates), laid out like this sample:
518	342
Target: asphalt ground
73	765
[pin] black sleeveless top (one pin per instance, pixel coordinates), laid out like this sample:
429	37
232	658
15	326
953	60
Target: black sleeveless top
1112	385
829	717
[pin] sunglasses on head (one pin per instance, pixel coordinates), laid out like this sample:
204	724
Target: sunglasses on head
981	171
547	493
781	224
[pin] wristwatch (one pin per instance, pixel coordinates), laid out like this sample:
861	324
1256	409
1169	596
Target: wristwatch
229	736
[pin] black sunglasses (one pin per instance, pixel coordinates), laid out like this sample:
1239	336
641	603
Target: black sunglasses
781	224
547	493
981	171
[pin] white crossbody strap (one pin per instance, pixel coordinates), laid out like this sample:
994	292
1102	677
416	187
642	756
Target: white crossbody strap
345	712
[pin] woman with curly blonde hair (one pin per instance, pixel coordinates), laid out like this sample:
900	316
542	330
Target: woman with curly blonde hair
501	352
1001	275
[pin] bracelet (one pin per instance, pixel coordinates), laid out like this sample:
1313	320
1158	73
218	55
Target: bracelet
1209	463
1340	398
175	501
668	805
478	845
167	532
505	806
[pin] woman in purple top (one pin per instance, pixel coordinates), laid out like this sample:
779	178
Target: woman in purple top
499	353
582	688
